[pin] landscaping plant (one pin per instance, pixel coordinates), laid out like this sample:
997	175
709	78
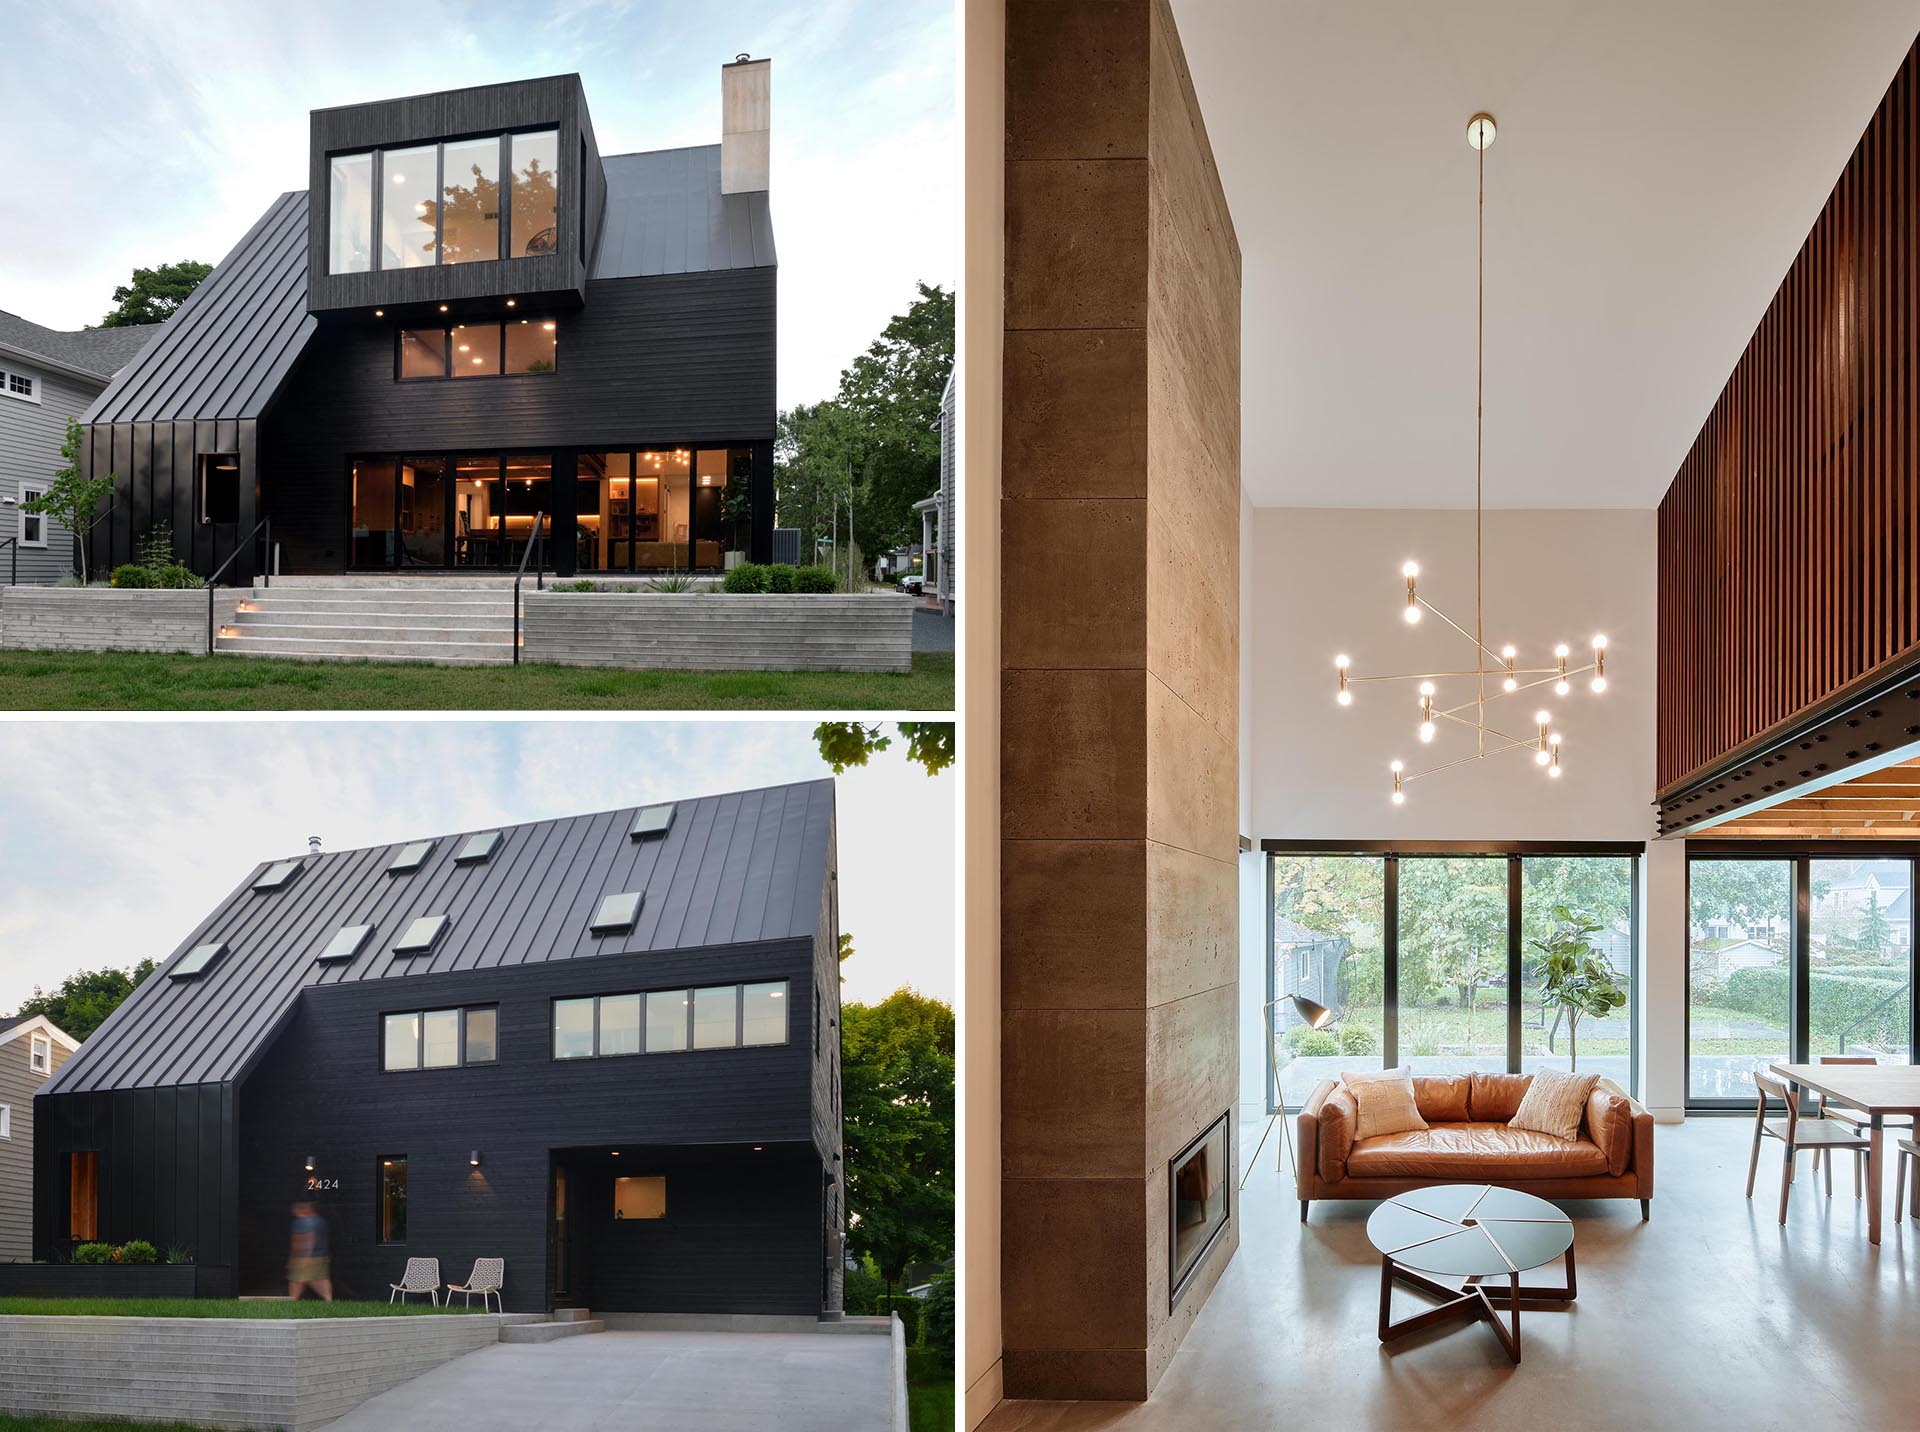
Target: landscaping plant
94	1253
1575	976
70	499
138	1250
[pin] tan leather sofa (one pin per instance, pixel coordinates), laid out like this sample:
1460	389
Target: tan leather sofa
1468	1141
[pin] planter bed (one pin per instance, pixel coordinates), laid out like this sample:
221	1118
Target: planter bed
115	1280
110	619
296	1373
719	631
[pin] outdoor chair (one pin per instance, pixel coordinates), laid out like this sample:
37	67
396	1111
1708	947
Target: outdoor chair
1797	1133
422	1276
487	1276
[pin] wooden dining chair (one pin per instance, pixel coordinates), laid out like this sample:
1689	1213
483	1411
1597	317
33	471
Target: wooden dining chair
1797	1134
1858	1120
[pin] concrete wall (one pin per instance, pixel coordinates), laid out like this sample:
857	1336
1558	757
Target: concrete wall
223	1372
719	631
1327	581
103	619
1119	689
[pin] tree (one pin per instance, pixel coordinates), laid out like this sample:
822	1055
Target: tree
154	293
70	499
84	1000
813	450
1453	929
1753	894
846	951
897	1068
1575	976
1875	929
850	743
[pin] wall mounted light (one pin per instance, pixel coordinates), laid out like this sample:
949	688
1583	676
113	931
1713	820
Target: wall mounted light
309	1163
473	1158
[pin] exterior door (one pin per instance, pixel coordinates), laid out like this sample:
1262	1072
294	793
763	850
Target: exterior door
423	512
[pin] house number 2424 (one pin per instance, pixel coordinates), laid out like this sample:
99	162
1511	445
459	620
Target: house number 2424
322	1185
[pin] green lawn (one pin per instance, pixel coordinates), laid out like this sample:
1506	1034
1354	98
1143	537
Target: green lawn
929	1390
133	681
209	1308
90	1424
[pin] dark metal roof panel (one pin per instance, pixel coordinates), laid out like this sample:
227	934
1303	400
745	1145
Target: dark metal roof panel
735	868
665	214
224	353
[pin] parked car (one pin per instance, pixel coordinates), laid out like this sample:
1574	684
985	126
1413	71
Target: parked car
915	582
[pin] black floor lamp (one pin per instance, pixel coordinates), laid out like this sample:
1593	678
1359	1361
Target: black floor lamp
1315	1016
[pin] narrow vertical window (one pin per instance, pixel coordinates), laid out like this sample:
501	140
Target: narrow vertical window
666	1021
482	1036
536	194
763	1013
400	1042
350	213
573	1029
33	525
393	1198
715	1017
83	1196
408	213
470	201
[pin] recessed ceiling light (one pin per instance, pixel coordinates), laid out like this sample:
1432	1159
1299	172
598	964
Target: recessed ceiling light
379	313
399	178
443	308
463	349
511	302
478	359
547	326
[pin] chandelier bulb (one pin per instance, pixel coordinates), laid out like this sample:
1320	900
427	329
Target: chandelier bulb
1512	683
1563	651
1599	643
1561	688
1341	662
1507	653
1553	771
1542	717
1426	731
1410	570
1399	797
1345	697
1412	613
1426	688
1599	684
1397	767
1540	758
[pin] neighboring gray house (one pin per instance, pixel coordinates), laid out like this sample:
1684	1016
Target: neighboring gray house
46	377
937	514
30	1051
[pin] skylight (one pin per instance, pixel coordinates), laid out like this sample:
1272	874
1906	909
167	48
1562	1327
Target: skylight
411	857
654	820
422	935
617	913
197	960
346	943
274	876
478	848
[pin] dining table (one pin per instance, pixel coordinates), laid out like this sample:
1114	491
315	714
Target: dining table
1878	1091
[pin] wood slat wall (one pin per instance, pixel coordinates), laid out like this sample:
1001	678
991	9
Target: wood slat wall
1788	538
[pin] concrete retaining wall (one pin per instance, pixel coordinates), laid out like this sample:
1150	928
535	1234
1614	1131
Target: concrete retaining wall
223	1372
103	619
719	631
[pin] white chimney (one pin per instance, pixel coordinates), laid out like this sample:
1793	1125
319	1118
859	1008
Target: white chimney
313	845
746	113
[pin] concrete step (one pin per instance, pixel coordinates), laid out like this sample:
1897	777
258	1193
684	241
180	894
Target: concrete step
550	1332
385	599
572	1315
457	626
337	648
479	581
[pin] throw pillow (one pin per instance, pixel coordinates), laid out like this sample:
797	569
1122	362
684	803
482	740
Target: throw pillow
1555	1103
1385	1103
1441	1098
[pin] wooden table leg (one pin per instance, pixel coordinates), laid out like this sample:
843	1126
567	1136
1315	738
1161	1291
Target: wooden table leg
1874	1141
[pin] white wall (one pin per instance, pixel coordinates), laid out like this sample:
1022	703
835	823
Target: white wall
1327	581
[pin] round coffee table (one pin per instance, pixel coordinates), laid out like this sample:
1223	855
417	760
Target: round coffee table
1470	1232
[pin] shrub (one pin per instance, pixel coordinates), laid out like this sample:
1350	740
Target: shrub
910	1313
936	1324
748	577
816	580
673	582
1309	1043
860	1292
131	575
178	1253
176	577
779	578
1843	1006
156	548
138	1250
93	1253
1358	1039
583	585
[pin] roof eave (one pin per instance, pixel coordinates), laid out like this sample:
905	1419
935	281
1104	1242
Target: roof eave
67	370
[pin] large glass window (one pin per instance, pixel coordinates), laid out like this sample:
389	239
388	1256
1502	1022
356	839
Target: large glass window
1453	964
408	212
423	353
470	201
1861	952
372	482
536	193
533	345
482	1035
642	1197
437	1038
1329	917
573	1029
763	1013
402	1041
423	511
393	1198
1560	896
1739	973
620	1024
476	350
476	511
1387	958
715	1017
350	213
440	1039
666	1021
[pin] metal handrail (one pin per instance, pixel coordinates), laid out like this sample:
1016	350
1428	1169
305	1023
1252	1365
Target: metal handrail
539	575
244	544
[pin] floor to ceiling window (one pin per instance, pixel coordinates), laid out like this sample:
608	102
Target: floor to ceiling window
1794	955
1435	959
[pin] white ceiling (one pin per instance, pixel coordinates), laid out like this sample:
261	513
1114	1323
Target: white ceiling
1657	166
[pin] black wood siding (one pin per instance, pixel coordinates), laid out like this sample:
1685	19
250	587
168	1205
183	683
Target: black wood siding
320	1091
155	467
167	1163
682	358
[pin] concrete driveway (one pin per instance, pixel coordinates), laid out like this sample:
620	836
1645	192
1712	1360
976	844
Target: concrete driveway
648	1382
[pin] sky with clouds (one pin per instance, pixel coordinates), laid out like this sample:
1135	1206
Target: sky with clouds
119	836
146	131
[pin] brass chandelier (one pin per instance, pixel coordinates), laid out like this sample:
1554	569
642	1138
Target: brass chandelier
1488	665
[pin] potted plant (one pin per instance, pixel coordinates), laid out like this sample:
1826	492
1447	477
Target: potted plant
1575	976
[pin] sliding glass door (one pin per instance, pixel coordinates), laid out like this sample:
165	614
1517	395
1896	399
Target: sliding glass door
1431	958
1794	955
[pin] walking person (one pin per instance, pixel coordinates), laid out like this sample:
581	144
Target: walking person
307	1258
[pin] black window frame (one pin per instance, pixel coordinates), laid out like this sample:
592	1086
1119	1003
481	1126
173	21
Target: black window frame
446	332
739	988
1515	852
1799	856
381	1163
203	466
419	1065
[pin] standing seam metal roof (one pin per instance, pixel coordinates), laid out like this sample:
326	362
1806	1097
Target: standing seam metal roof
731	869
666	214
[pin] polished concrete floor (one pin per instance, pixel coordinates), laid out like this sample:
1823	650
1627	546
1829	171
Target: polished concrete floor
648	1382
1710	1316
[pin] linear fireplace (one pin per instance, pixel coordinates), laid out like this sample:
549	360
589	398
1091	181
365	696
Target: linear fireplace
1199	1180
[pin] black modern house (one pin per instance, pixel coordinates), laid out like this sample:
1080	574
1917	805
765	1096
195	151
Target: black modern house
605	1048
470	322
